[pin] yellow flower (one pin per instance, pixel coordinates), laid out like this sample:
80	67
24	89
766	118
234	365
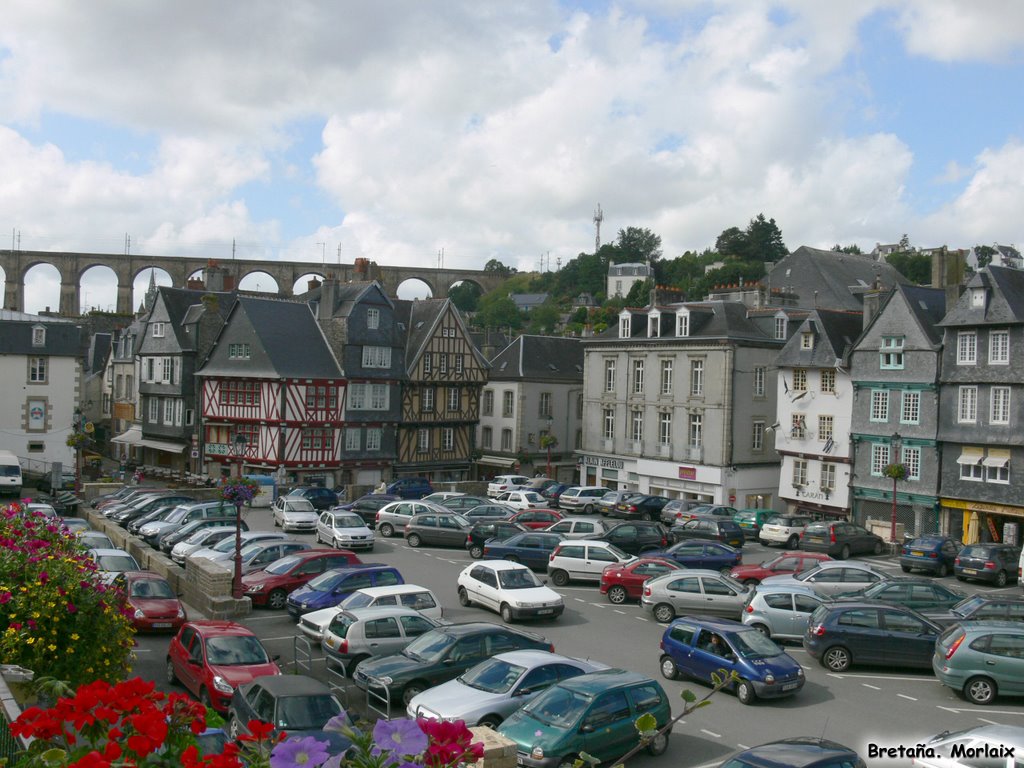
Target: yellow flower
52	647
74	635
30	640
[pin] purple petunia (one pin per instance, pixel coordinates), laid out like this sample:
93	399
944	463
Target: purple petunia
299	753
401	736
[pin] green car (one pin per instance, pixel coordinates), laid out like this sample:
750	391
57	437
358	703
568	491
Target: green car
751	520
982	659
594	713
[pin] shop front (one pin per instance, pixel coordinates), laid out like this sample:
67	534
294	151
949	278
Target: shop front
979	521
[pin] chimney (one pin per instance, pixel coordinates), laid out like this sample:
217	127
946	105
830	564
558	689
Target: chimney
328	292
947	273
213	277
872	300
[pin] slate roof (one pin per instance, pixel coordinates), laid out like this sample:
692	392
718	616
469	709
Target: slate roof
528	300
828	279
543	358
420	319
1004	304
99	351
62	339
178	301
708	320
928	306
834	336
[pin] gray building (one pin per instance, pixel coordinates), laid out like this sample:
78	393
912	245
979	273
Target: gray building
812	278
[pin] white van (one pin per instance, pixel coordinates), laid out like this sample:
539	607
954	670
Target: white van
10	474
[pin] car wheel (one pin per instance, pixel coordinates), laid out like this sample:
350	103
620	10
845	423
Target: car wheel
763	629
506	613
588	509
234	732
276	524
411	690
171	677
836	658
669	670
664	613
980	690
745	692
961	578
559	578
318	539
877	550
793	542
512	558
658	745
413	540
1001	579
353	665
277	599
464	600
748	582
844	553
490	721
906	568
943	570
387	530
476	552
617	595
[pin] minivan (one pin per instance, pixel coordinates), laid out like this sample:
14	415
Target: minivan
10	474
331	587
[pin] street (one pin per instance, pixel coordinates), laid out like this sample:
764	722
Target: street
889	707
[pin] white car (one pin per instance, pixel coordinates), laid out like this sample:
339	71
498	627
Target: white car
583	560
224	550
503	483
204	537
391	518
344	530
581	498
578	527
783	530
422	600
522	500
111	562
438	496
510	589
295	514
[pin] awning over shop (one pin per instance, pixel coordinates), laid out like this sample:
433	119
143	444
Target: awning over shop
970	455
167	446
133	436
997	457
500	461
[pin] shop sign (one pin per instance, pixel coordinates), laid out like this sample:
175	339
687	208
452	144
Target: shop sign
216	449
687	473
802	493
600	461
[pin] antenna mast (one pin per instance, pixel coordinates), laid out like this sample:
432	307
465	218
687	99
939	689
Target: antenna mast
598	218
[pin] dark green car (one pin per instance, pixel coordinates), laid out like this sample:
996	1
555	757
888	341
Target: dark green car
918	594
440	655
593	713
751	520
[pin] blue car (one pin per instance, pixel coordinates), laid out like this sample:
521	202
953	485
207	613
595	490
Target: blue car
700	553
699	647
531	548
934	554
331	587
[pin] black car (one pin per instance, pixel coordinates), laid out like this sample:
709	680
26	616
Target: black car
552	492
635	538
126	516
297	705
840	539
491	528
640	508
799	752
367	506
718	529
842	633
440	655
981	608
918	594
170	537
995	563
321	498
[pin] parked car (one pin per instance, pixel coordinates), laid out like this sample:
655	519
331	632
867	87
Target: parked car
321	498
444	529
707	510
296	705
114	497
786	563
366	506
502	483
224	550
344	530
993	563
95	540
440	655
693	592
171	536
212	658
180	516
751	520
111	562
462	503
840	539
271	586
538	484
593	714
699	647
981	608
199	540
831	577
607	503
870	632
258	555
439	496
640	507
622	582
40	508
144	506
984	745
152	605
521	499
331	587
796	752
486	530
581	498
410	487
676	509
578	527
635	538
492	690
354	635
391	518
721	529
412	596
532	548
67	482
583	560
698	553
783	530
295	514
553	492
489	511
981	660
919	594
933	554
509	589
536	518
781	612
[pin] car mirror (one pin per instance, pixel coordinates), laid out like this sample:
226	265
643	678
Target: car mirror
276	657
587	728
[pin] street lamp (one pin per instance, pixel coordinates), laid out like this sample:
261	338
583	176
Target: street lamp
238	449
56	482
896	471
549	438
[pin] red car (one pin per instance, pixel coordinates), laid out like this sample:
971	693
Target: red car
151	601
212	658
536	518
270	587
625	582
786	563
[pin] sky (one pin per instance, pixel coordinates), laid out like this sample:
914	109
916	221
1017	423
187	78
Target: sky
457	132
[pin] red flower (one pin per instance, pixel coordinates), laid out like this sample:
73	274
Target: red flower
258	731
92	760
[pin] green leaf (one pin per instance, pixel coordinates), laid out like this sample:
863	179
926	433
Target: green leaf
589	759
715	679
646	722
688	696
705	703
53	756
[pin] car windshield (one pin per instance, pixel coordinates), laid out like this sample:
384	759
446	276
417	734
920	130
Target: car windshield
198	537
431	646
519	578
348	521
754	645
283	565
325	582
975	551
558	707
968	606
618	552
232	651
357	600
306	713
176	515
153	589
298	505
117	563
493	676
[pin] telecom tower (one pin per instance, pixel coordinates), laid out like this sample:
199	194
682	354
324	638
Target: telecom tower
598	218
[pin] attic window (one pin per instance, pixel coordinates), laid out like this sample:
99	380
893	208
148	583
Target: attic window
780	327
372	318
38	336
806	340
653	324
977	297
158	330
683	324
624	327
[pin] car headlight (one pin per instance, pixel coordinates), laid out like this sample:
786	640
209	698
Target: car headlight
769	678
222	685
386	680
254	588
181	612
139	614
800	672
537	753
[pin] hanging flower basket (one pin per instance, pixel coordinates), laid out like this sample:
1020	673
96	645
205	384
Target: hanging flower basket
76	440
240	490
895	472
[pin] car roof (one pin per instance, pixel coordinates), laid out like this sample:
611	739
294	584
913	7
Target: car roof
606	679
381	611
472	627
139	575
107	552
991	624
392	589
209	627
532	656
723	625
292	685
1010	735
846	564
306	554
792	587
500	565
795	753
689	572
582	519
361	568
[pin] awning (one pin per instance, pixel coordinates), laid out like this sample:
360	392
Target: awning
163	445
501	461
132	437
970	455
997	457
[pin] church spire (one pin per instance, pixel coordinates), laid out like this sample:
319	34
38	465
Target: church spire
151	291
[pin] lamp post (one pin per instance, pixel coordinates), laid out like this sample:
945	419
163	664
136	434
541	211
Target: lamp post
238	448
78	455
896	465
549	438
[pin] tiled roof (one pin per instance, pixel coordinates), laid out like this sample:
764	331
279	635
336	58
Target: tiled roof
1003	305
61	339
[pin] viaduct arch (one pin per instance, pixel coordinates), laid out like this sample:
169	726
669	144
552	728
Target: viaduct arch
127	267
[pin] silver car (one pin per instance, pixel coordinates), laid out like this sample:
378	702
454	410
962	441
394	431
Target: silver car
355	635
391	518
224	550
693	591
201	539
492	690
832	577
781	612
578	527
257	555
295	514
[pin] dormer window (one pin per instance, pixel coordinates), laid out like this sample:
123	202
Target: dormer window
683	324
806	340
780	327
158	330
624	326
38	336
372	318
977	297
653	324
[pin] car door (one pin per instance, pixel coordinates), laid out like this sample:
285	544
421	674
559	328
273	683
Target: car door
485	587
426	528
1004	656
862	541
571	558
598	558
449	532
625	537
908	640
179	653
685	595
384	636
412	627
689	530
706	660
827	581
860	630
466	652
690	554
858	578
721	598
803	607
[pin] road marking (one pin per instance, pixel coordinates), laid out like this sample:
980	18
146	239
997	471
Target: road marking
987	711
881	677
142	650
711	733
742	746
641	618
948	709
599	605
260	618
579	600
872	687
904	696
621	613
990	722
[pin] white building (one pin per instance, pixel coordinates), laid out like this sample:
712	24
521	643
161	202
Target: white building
622	277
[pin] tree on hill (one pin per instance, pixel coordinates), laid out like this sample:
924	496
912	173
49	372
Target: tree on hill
636	245
732	272
543	320
916	267
854	249
496	267
984	254
465	296
497	310
760	241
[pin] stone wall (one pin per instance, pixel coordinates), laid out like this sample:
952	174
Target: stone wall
499	751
